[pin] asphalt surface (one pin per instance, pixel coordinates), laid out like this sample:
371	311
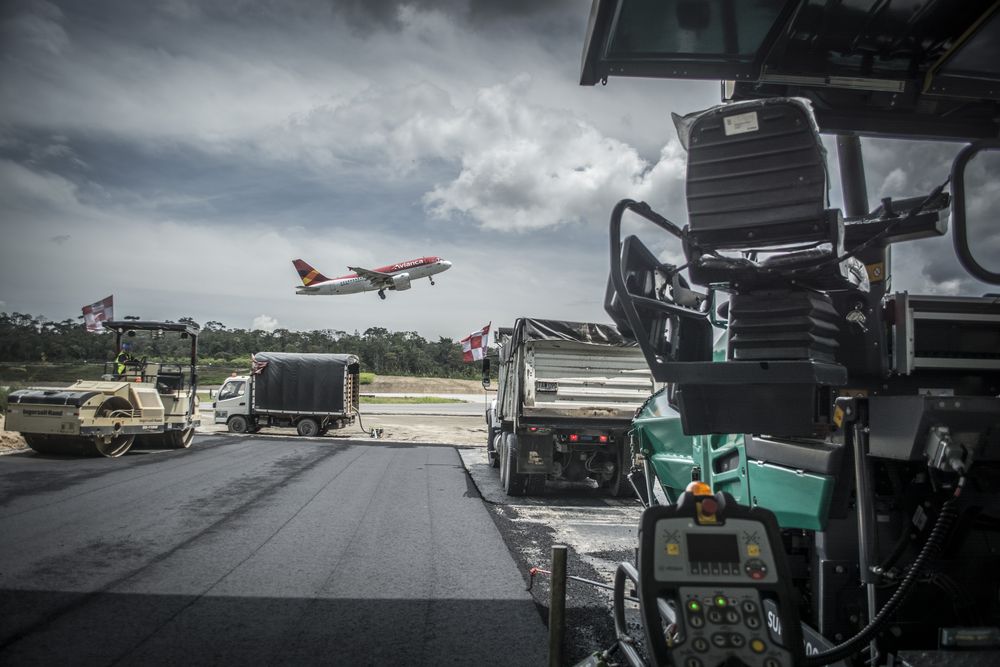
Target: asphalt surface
258	551
599	532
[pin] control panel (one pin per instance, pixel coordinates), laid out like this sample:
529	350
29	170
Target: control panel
712	580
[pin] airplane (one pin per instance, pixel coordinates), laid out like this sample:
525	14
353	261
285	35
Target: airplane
393	277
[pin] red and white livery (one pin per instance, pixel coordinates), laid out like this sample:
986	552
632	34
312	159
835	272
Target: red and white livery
393	277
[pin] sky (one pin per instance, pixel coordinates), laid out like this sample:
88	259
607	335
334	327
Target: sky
180	154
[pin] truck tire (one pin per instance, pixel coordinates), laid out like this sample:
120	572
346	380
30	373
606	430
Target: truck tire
501	447
307	428
619	486
491	452
238	424
515	483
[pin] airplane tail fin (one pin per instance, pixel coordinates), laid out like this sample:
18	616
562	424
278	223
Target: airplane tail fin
308	274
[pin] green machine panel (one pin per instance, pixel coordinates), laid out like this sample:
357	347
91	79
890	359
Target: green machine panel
798	499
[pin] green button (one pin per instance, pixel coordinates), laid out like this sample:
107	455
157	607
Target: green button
694	606
720	601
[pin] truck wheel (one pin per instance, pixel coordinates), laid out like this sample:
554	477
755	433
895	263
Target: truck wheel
501	455
307	427
238	424
491	452
619	486
515	483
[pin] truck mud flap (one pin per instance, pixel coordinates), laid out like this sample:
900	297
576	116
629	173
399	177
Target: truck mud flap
534	453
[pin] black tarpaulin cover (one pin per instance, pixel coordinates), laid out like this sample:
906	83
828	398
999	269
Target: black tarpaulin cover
579	332
302	383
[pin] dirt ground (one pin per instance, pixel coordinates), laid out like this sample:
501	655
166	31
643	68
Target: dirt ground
398	384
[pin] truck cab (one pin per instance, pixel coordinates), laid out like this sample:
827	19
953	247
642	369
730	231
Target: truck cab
233	399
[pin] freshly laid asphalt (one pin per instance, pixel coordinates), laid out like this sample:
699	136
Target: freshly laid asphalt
258	551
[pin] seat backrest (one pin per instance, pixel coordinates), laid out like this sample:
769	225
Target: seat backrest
756	176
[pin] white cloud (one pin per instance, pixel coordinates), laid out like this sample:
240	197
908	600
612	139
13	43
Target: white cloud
894	185
519	166
264	323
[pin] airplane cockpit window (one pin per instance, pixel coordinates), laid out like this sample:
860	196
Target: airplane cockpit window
231	389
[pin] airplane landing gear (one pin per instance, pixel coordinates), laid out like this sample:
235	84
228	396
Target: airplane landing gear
381	294
431	279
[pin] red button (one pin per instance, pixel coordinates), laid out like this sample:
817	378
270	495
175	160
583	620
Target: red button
709	507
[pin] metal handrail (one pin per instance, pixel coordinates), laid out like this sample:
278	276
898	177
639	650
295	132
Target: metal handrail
626	643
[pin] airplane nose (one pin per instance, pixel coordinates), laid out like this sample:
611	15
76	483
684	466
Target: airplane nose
445	263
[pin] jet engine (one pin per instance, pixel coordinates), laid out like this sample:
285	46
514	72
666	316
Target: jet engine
401	281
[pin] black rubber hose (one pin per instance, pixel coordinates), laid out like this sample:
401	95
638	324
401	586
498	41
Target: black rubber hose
942	526
361	423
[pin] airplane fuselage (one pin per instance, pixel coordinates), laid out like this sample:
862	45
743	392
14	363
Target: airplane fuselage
402	274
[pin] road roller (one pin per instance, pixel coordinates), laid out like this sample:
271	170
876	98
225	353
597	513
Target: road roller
137	399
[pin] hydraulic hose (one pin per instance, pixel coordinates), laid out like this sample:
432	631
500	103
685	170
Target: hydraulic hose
942	526
370	432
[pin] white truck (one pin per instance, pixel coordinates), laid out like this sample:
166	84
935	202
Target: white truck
311	392
565	401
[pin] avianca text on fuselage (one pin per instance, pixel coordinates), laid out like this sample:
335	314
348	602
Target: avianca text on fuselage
393	277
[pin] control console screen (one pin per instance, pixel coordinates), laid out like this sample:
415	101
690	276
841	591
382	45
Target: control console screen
713	548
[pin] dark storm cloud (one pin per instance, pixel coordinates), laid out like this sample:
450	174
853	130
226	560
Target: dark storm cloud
901	169
362	15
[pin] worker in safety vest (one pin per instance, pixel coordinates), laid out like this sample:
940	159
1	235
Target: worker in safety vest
122	359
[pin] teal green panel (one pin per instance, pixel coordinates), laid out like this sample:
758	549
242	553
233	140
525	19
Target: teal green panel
798	499
724	465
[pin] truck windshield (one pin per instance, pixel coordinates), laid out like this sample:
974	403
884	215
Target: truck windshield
231	389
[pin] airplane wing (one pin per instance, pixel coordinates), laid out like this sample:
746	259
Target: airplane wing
377	278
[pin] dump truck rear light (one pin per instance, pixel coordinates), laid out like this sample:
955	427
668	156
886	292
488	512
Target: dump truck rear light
573	437
602	438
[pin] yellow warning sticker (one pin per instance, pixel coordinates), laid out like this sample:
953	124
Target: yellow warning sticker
838	416
876	272
753	550
673	549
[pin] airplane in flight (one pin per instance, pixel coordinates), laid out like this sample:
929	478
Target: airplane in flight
393	277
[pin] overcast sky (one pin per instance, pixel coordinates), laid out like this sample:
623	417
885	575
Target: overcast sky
180	154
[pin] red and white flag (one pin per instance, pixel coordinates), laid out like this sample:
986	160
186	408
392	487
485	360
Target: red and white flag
96	314
474	345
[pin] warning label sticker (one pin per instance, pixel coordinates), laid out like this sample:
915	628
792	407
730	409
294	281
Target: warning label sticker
741	123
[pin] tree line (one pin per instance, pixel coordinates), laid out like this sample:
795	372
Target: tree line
32	339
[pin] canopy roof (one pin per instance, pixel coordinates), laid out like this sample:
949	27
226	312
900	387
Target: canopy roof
121	326
907	68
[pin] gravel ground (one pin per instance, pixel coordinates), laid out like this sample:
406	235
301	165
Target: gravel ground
10	441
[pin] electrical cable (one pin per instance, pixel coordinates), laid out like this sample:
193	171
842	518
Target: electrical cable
942	526
890	227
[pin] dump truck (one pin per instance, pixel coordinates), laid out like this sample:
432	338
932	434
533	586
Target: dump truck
567	393
312	393
136	398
